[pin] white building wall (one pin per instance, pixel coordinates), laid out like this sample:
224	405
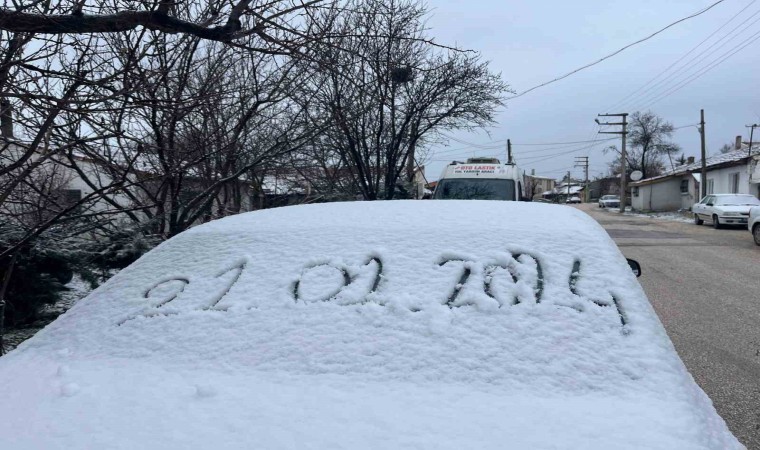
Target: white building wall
694	195
637	201
100	179
662	196
721	179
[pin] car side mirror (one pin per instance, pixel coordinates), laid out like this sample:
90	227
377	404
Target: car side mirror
635	267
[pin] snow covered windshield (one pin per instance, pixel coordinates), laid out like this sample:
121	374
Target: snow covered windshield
475	189
395	324
736	200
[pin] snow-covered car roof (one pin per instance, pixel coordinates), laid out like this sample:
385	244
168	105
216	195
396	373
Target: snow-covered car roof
408	324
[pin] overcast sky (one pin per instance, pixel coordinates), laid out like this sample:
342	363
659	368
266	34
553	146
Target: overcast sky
536	41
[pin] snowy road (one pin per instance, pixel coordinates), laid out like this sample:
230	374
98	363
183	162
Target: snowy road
705	286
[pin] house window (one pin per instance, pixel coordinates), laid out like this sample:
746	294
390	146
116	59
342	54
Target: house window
684	186
636	191
733	183
710	185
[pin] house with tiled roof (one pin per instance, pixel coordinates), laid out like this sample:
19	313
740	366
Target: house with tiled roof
735	172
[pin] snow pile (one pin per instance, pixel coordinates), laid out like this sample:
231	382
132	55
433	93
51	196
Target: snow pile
433	324
667	216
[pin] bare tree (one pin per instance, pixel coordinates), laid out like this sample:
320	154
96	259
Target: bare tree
198	119
278	26
46	86
649	140
650	134
389	92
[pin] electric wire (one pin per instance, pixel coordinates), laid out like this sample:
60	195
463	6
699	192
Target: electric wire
688	71
698	13
705	70
454	152
625	99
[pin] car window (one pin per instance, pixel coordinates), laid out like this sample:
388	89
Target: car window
475	189
737	200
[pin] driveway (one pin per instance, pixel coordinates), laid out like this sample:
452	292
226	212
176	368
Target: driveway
705	285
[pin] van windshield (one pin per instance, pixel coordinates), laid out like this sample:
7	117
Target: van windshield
475	189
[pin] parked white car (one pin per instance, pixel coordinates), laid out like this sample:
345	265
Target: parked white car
358	325
754	223
609	201
573	199
724	209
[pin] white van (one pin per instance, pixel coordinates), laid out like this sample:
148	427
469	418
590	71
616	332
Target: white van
480	179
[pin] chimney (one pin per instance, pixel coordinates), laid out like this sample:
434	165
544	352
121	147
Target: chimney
6	119
690	160
738	145
533	172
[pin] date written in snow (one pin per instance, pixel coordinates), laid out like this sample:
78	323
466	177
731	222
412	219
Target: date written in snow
520	279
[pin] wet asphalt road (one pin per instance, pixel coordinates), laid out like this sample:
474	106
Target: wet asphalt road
705	285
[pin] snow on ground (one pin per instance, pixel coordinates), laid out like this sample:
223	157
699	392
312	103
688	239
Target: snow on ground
434	324
671	216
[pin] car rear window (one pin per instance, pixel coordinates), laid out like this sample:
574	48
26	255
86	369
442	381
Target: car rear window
475	189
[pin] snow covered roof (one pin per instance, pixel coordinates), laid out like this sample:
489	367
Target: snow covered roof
507	324
711	162
564	189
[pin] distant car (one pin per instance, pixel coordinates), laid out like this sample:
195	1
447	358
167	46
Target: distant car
364	325
609	201
754	223
724	209
573	199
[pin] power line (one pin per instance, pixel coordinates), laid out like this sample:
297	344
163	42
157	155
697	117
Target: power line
483	146
577	149
547	157
502	141
561	145
527	155
623	101
687	68
618	51
712	65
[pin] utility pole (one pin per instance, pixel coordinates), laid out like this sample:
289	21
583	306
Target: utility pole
582	161
509	151
703	172
751	131
623	156
568	186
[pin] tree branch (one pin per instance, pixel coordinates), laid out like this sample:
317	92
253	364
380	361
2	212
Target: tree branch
157	20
